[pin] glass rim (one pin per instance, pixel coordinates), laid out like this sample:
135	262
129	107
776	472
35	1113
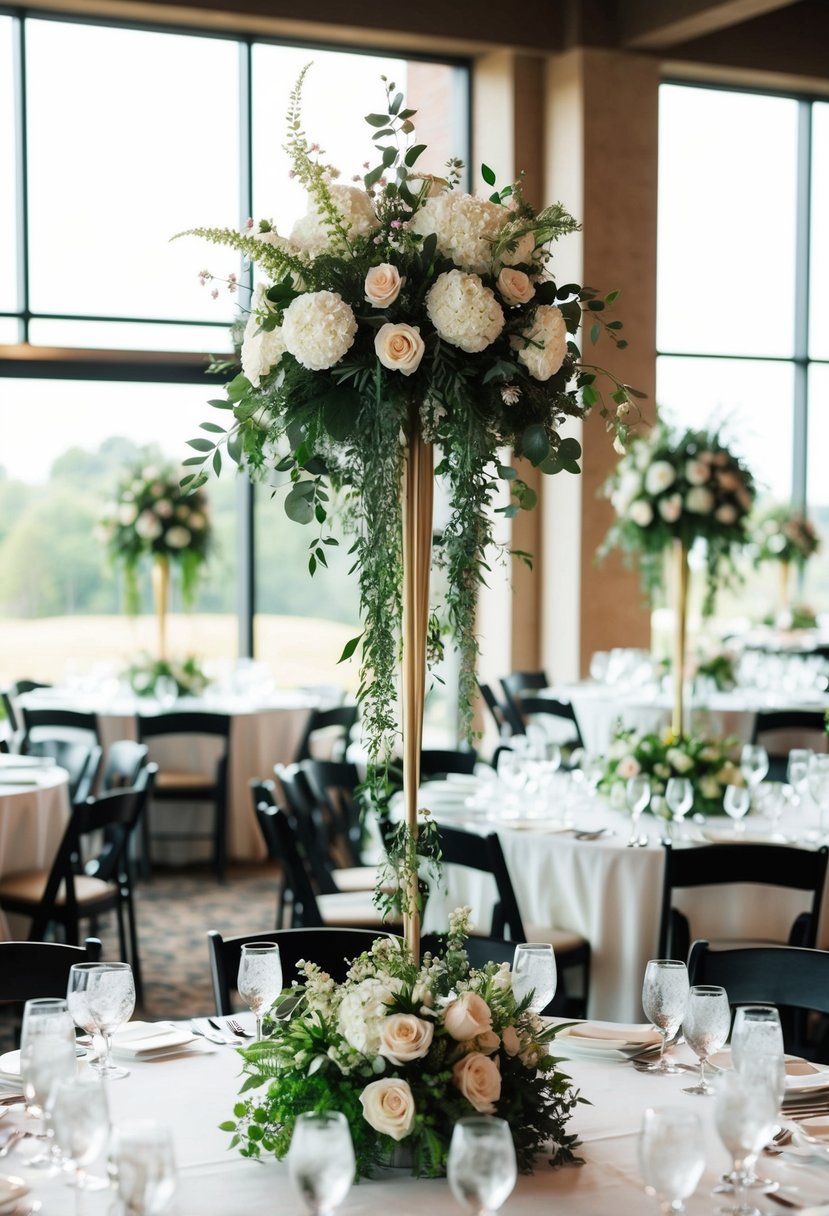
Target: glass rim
43	1002
708	989
264	947
114	965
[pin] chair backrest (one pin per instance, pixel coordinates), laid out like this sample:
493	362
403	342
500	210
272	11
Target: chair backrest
37	969
531	706
337	723
331	949
116	815
281	842
183	722
124	760
23	686
53	722
782	729
484	853
308	820
334	783
501	714
436	763
792	976
764	864
80	760
514	686
10	712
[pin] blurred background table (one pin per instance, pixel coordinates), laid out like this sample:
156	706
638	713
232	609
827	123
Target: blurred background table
34	811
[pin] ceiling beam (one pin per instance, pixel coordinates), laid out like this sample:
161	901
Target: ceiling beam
660	24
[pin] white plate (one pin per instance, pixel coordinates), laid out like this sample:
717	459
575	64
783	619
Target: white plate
145	1040
629	1041
10	1065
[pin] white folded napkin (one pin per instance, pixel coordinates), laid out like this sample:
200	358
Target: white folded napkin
603	1033
144	1039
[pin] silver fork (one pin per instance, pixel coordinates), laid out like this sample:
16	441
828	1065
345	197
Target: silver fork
238	1029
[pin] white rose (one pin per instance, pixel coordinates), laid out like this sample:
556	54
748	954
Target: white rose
399	347
544	343
726	514
318	329
679	760
127	513
388	1107
641	512
511	1041
404	1037
659	477
479	1080
467	1017
148	526
261	349
629	767
697	472
178	537
670	508
502	979
515	286
383	283
699	501
630	484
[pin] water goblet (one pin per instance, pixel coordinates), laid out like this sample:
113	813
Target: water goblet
745	1114
736	802
321	1160
47	1052
679	797
481	1166
101	997
756	1030
817	779
142	1164
260	978
664	997
705	1026
671	1155
754	764
79	1118
637	796
797	768
534	973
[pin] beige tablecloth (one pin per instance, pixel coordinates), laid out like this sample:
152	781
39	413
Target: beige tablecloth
32	823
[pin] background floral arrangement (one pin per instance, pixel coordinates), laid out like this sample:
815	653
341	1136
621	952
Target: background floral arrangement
152	516
187	676
399	306
782	534
710	764
405	1051
680	485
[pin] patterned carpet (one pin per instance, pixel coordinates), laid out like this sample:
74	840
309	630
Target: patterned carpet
174	910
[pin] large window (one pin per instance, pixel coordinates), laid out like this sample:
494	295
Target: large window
113	140
743	305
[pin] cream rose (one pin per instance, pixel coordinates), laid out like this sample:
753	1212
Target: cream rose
641	512
382	285
511	1041
659	477
699	501
467	1017
629	767
388	1107
404	1037
726	514
479	1080
399	347
670	508
515	286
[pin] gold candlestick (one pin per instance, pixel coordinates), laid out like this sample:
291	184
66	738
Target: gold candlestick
681	579
161	596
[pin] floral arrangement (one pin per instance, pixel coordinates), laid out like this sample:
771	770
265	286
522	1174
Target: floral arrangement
185	675
680	485
405	1051
720	668
402	307
710	764
782	534
152	516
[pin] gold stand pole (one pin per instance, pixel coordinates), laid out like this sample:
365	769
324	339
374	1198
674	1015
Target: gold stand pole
680	622
783	587
418	488
161	597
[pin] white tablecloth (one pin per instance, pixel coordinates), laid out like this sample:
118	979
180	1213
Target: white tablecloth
195	1094
32	823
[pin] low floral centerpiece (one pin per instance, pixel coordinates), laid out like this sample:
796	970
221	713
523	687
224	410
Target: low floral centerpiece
405	1050
178	677
784	534
709	764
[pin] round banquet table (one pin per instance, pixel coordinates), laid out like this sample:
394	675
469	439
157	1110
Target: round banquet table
193	1093
34	811
608	893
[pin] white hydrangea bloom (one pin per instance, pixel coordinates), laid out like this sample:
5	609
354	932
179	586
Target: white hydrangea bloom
363	1010
318	328
148	525
261	349
178	537
545	342
641	512
660	476
700	500
464	312
311	234
465	227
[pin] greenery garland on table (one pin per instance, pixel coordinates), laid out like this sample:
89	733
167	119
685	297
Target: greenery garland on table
187	676
397	307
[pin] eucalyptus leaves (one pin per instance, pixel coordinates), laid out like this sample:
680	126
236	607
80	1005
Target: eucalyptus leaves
398	308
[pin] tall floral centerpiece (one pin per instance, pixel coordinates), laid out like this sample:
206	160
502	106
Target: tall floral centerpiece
670	490
405	330
153	519
786	536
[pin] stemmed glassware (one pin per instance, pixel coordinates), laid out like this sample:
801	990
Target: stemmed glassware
664	997
79	1117
745	1116
481	1166
143	1166
705	1026
671	1155
637	796
260	978
47	1052
679	797
321	1160
754	764
757	1030
534	970
101	997
817	779
797	769
736	802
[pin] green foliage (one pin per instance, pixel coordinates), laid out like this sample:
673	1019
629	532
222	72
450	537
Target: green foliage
710	764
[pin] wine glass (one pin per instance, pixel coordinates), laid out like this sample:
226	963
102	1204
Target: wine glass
736	801
679	797
79	1118
260	978
321	1160
671	1155
101	998
757	1030
481	1165
754	764
142	1164
637	796
664	997
47	1052
745	1114
705	1026
534	973
797	769
817	779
